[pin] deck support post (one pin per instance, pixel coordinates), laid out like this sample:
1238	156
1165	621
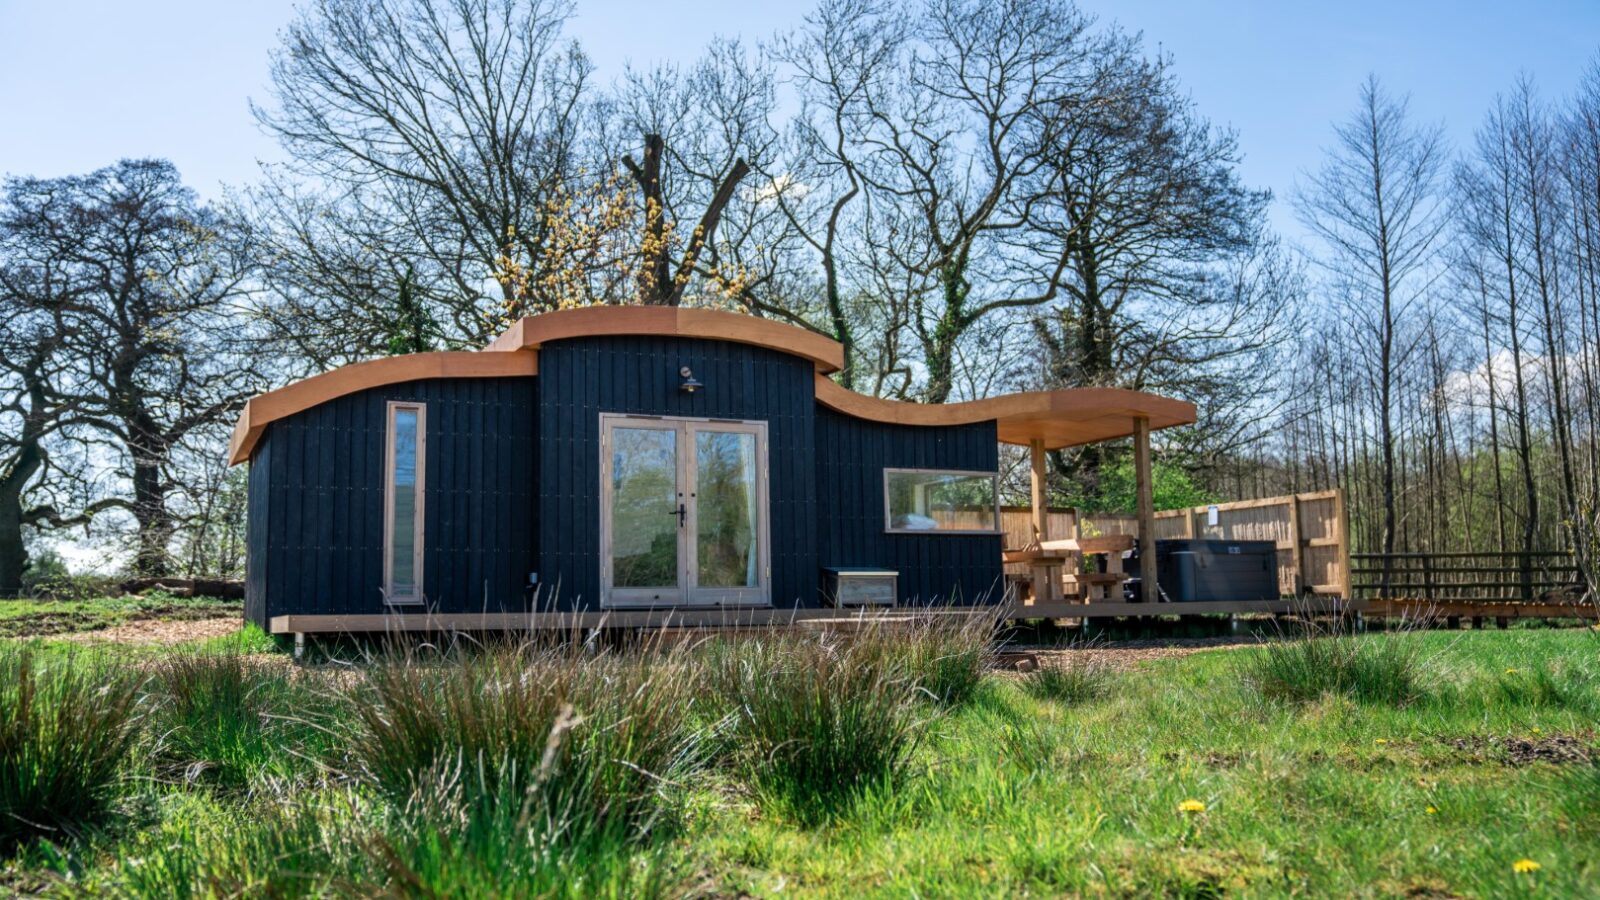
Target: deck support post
299	645
1149	592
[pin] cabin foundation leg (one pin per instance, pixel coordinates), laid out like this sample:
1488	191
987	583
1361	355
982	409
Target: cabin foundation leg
1477	623
299	645
1501	622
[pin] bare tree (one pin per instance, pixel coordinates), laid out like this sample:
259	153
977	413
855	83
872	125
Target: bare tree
1376	206
1169	281
145	294
442	134
38	409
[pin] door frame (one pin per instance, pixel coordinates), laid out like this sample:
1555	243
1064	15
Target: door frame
687	592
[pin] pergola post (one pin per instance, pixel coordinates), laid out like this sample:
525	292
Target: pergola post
1041	513
1148	590
1045	577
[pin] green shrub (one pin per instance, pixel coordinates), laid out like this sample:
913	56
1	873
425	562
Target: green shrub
1070	682
66	727
1330	659
820	720
448	839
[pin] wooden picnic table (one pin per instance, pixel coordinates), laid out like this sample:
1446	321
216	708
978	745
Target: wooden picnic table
1055	565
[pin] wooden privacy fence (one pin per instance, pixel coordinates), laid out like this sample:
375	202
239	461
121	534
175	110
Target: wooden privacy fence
1471	576
1311	533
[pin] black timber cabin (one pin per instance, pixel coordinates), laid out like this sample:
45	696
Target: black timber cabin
632	466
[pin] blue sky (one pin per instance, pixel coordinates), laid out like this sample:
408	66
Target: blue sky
83	82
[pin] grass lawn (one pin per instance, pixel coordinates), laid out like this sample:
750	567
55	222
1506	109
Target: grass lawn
1333	798
1178	777
42	618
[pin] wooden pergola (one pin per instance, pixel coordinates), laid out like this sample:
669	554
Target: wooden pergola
1043	421
1139	416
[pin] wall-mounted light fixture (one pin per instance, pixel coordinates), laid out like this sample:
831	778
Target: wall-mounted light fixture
689	385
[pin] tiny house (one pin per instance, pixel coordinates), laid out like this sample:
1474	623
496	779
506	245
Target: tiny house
632	465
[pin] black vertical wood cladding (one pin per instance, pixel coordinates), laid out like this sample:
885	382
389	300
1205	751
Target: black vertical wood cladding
513	483
583	377
315	512
850	514
257	531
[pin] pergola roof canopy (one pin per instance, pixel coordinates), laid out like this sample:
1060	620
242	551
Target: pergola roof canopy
1061	418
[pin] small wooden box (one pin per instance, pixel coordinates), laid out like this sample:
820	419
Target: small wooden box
851	586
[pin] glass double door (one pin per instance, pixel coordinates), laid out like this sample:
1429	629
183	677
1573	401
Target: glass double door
683	516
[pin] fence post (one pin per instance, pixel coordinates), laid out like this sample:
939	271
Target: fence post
1296	551
1341	517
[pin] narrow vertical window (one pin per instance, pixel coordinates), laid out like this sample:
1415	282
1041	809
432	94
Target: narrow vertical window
403	494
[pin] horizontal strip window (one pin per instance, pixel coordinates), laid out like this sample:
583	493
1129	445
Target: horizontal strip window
404	471
936	501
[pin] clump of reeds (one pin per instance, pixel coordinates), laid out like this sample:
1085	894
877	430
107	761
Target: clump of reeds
945	655
222	717
67	725
590	740
820	719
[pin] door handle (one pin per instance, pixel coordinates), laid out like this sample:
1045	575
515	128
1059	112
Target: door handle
683	515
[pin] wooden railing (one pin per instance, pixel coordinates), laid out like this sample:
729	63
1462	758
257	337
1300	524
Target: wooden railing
1485	576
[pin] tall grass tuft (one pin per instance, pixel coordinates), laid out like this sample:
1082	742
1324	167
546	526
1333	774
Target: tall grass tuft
315	846
590	741
1568	687
223	717
66	727
945	656
1330	659
1071	681
820	720
455	838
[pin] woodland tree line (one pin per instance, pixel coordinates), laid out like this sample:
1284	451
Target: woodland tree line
972	197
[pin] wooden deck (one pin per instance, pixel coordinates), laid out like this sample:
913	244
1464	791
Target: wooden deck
705	617
416	622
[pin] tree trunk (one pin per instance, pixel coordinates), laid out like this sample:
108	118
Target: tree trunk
149	449
13	555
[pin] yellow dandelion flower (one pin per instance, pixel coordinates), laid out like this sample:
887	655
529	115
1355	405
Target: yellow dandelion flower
1511	671
1524	866
1381	741
1538	731
1433	810
1191	806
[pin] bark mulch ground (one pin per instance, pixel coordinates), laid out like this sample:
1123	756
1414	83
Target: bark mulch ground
158	631
1119	655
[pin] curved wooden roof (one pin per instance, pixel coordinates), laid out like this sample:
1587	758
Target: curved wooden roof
668	321
1064	418
263	409
1058	418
